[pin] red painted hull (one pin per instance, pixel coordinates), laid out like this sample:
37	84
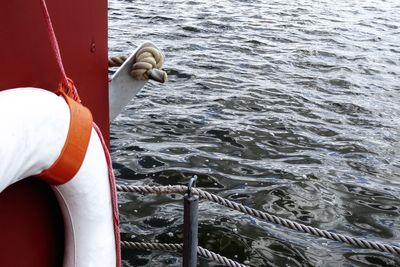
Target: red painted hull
31	227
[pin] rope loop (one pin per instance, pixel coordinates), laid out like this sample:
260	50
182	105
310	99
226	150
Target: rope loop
147	60
147	64
69	89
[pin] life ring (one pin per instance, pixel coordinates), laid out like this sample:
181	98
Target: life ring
35	124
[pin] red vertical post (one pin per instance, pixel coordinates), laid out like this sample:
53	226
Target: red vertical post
30	223
81	29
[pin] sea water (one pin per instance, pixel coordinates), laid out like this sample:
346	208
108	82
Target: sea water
290	107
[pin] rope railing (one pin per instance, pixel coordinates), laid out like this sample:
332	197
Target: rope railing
205	253
354	241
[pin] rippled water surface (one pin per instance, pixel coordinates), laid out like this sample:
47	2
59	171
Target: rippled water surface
291	107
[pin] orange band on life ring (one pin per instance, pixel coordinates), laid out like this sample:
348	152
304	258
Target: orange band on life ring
74	150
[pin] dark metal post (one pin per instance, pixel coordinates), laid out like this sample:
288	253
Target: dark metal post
190	223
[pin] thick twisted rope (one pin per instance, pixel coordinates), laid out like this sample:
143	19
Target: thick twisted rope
116	61
178	248
146	59
147	65
357	242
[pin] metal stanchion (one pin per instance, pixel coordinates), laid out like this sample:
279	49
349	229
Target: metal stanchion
190	226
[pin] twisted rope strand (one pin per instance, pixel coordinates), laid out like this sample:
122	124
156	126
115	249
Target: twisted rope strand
116	61
357	242
149	66
178	248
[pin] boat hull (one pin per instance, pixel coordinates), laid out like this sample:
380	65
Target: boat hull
31	226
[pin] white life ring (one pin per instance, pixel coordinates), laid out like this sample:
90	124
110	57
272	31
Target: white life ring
34	127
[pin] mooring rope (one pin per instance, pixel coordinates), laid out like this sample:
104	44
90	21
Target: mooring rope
357	242
179	248
116	61
147	64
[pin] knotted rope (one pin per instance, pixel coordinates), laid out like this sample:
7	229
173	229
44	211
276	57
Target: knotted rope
357	242
148	64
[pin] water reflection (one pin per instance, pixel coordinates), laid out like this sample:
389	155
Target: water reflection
291	108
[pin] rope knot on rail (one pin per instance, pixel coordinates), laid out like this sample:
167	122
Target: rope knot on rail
147	64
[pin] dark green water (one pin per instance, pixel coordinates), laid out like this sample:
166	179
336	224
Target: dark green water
291	107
